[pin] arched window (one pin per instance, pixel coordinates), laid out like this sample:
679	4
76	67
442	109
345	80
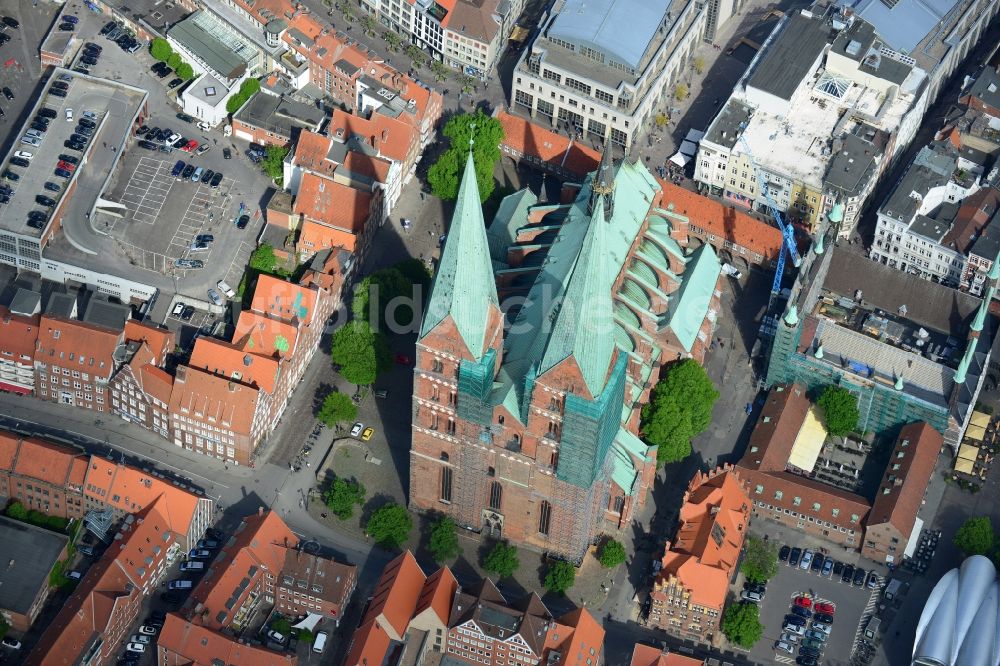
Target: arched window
544	517
444	456
445	484
496	495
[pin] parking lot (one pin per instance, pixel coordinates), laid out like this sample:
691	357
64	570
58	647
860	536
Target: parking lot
850	602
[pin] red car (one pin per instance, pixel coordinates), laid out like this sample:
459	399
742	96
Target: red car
189	146
66	165
803	602
826	609
403	360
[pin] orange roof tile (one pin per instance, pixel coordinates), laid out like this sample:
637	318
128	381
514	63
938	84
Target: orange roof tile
531	139
229	402
437	594
374	168
332	204
45	461
131	490
261	542
316	237
262	334
156	382
200	646
919	444
391	137
161	341
8	449
18	335
370	644
396	595
311	152
573	636
723	221
644	655
75	344
778	423
284	299
233	362
99	603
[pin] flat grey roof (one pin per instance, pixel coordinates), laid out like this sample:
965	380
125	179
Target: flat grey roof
194	37
107	314
27	554
26	302
723	129
903	24
788	59
988	244
930	228
987	87
932	167
622	29
279	115
852	165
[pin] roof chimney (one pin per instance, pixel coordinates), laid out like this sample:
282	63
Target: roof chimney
260	510
385	135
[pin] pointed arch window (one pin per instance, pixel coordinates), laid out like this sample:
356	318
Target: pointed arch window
544	518
496	495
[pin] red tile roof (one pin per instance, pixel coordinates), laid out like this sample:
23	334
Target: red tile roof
644	655
390	136
191	644
261	334
260	544
778	424
916	452
576	637
18	335
437	594
75	344
202	395
45	461
973	216
722	221
161	341
284	299
332	204
530	139
233	362
311	152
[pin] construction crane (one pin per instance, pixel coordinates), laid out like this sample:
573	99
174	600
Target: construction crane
787	233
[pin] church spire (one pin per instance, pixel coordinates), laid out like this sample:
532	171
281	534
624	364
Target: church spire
603	184
464	286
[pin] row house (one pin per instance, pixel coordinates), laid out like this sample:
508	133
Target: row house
74	362
332	215
313	584
96	619
689	591
433	614
43	476
140	390
18	333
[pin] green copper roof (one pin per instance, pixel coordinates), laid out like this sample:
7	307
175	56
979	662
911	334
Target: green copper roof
792	316
463	285
836	213
965	362
583	328
690	304
510	217
982	311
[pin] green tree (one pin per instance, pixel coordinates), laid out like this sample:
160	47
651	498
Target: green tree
263	259
17	511
681	91
273	163
390	526
612	553
760	560
443	541
185	71
379	289
248	89
741	624
560	576
305	636
662	120
440	70
468	84
336	408
282	626
679	408
415	271
392	40
502	560
362	353
160	49
975	536
840	410
485	134
698	64
368	25
416	56
342	496
174	60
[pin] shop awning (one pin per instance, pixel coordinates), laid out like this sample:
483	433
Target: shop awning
964	466
694	136
688	148
980	419
808	442
14	388
308	622
680	159
975	432
968	451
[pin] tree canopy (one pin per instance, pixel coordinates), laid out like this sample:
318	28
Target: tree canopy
486	133
362	353
374	293
273	163
975	536
263	259
336	408
443	541
174	60
840	410
390	526
248	89
502	560
185	71
612	553
560	576
680	407
741	624
342	496
160	49
760	560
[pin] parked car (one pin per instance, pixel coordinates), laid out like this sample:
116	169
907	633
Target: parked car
10	175
784	553
799	611
789	638
817	562
197	246
822	627
189	263
200	553
807	557
148	630
192	566
781	646
203	148
187	313
751	597
70	159
226	289
46	112
206	177
816	635
141	638
367	434
216	179
838	568
827	567
824	618
859	577
188	170
794	557
148	145
43	200
56	92
357	428
7	93
242	222
180	584
873	580
806	661
196	176
20	161
10	22
135	647
178	169
848	574
275	636
813	643
52	187
227	154
185	117
809	652
207	543
175	82
794	628
11	643
62	173
803	602
825	608
178	308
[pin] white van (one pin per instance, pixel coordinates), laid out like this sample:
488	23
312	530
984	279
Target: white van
320	643
192	566
182	584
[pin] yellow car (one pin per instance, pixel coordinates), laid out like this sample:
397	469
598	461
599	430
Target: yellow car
367	434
